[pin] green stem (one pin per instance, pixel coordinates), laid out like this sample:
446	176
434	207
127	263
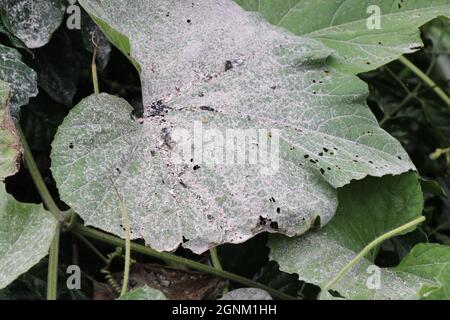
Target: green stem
52	276
215	259
368	248
94	66
101	236
216	263
126	271
37	178
91	247
126	224
439	152
425	79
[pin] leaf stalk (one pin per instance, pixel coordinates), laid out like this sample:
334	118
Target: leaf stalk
52	272
425	78
107	238
369	247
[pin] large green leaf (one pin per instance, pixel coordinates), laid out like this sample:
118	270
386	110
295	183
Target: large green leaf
21	79
32	21
366	210
222	68
9	142
342	26
26	231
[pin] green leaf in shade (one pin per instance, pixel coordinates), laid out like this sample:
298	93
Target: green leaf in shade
90	32
58	66
26	231
119	40
267	79
342	25
32	21
9	141
143	293
367	209
21	79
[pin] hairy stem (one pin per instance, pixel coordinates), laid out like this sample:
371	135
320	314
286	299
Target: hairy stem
101	236
52	275
368	248
426	79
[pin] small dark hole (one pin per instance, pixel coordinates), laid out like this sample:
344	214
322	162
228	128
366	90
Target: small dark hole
274	225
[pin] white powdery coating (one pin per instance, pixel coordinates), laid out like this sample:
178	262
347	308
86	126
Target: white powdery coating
317	259
26	231
277	81
247	294
343	25
34	21
21	79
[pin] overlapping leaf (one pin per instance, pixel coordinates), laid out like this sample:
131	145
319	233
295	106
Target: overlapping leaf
366	210
9	143
32	21
21	79
26	231
215	65
349	26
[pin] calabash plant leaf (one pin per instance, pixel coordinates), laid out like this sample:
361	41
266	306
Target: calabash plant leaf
143	293
15	42
26	231
21	79
220	68
9	141
32	21
351	27
430	263
367	209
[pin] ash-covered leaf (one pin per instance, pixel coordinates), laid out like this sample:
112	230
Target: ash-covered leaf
15	42
216	66
9	141
26	231
247	294
32	21
366	210
351	28
21	79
